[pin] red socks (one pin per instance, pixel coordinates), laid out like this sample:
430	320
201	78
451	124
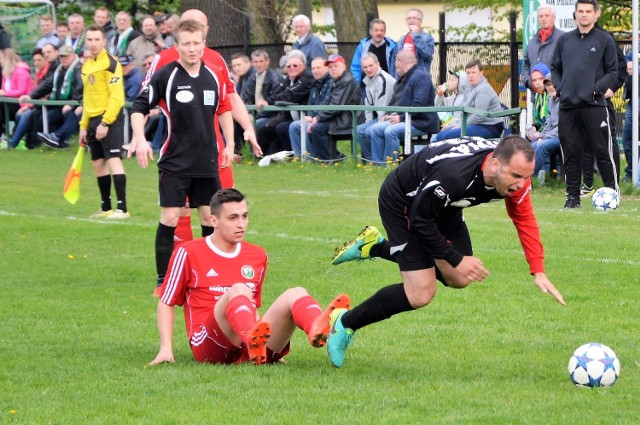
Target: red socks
304	311
241	315
183	232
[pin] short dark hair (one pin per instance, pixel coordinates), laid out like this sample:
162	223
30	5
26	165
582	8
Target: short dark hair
96	27
596	5
376	21
36	51
240	55
472	63
512	144
222	197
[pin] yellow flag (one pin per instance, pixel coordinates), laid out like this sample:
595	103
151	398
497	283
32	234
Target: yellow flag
72	179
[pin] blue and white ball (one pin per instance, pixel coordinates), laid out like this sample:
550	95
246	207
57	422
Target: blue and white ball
605	199
594	365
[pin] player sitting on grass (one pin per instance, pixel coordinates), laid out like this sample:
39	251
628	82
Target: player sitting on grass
218	279
421	204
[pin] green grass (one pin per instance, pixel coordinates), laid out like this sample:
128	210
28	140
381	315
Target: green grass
78	319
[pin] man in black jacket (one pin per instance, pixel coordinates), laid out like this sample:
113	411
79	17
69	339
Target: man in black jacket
259	86
584	70
345	91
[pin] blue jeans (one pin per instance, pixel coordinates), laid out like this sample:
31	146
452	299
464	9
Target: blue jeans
69	126
485	131
627	143
545	149
364	138
385	140
23	123
296	139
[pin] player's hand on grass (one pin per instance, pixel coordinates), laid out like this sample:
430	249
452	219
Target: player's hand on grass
544	284
164	356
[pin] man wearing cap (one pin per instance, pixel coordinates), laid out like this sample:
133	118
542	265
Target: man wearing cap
345	91
132	77
150	42
307	41
66	84
377	44
420	43
413	88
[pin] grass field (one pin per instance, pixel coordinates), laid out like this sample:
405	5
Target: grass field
78	319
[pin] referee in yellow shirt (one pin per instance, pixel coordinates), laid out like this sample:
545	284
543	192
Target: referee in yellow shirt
102	123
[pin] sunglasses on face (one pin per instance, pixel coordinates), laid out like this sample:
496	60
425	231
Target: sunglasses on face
293	65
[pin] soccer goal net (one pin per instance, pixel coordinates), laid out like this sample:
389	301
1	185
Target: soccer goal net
21	20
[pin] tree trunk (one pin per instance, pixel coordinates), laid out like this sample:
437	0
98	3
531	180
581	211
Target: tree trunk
265	22
352	18
305	7
226	20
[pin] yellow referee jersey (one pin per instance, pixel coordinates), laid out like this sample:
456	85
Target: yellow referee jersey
103	89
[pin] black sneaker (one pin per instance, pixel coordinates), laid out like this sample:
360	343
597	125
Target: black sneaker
51	140
572	202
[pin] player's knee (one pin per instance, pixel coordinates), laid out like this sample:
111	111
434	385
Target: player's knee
239	289
421	295
295	293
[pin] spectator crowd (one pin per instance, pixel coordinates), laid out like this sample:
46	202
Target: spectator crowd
383	72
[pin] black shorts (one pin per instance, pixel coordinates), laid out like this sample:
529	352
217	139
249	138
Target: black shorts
110	146
174	190
407	248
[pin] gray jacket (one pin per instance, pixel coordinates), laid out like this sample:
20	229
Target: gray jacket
539	52
378	92
482	96
550	130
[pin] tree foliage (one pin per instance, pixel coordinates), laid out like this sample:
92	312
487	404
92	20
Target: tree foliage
135	8
616	14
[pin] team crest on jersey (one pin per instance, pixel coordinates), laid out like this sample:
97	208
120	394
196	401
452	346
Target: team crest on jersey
248	272
91	78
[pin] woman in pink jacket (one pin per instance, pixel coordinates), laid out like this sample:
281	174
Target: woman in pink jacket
16	81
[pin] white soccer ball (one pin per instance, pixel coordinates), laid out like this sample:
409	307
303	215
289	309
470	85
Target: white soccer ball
605	199
594	365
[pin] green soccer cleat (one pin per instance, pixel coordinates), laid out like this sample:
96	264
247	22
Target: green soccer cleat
339	338
360	247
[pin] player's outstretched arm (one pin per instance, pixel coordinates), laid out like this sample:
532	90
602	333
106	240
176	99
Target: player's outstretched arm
166	315
541	280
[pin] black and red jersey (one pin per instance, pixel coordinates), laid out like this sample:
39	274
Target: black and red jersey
447	176
191	105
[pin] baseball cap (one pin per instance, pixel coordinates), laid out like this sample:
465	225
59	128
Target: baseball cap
66	50
335	58
547	79
125	60
160	18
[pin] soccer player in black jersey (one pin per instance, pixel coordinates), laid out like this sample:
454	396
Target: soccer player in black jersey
190	95
421	205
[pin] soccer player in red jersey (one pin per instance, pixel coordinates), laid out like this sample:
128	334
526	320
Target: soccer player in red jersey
218	280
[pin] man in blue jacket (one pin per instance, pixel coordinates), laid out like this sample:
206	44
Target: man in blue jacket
377	44
413	88
417	41
307	41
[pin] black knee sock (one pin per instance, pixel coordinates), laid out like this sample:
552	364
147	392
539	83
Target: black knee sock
104	185
382	250
164	248
206	230
383	304
120	183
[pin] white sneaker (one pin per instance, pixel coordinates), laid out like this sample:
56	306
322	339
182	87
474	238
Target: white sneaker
4	144
118	215
101	214
541	177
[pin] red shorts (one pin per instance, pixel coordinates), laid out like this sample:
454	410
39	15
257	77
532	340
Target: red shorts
210	345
